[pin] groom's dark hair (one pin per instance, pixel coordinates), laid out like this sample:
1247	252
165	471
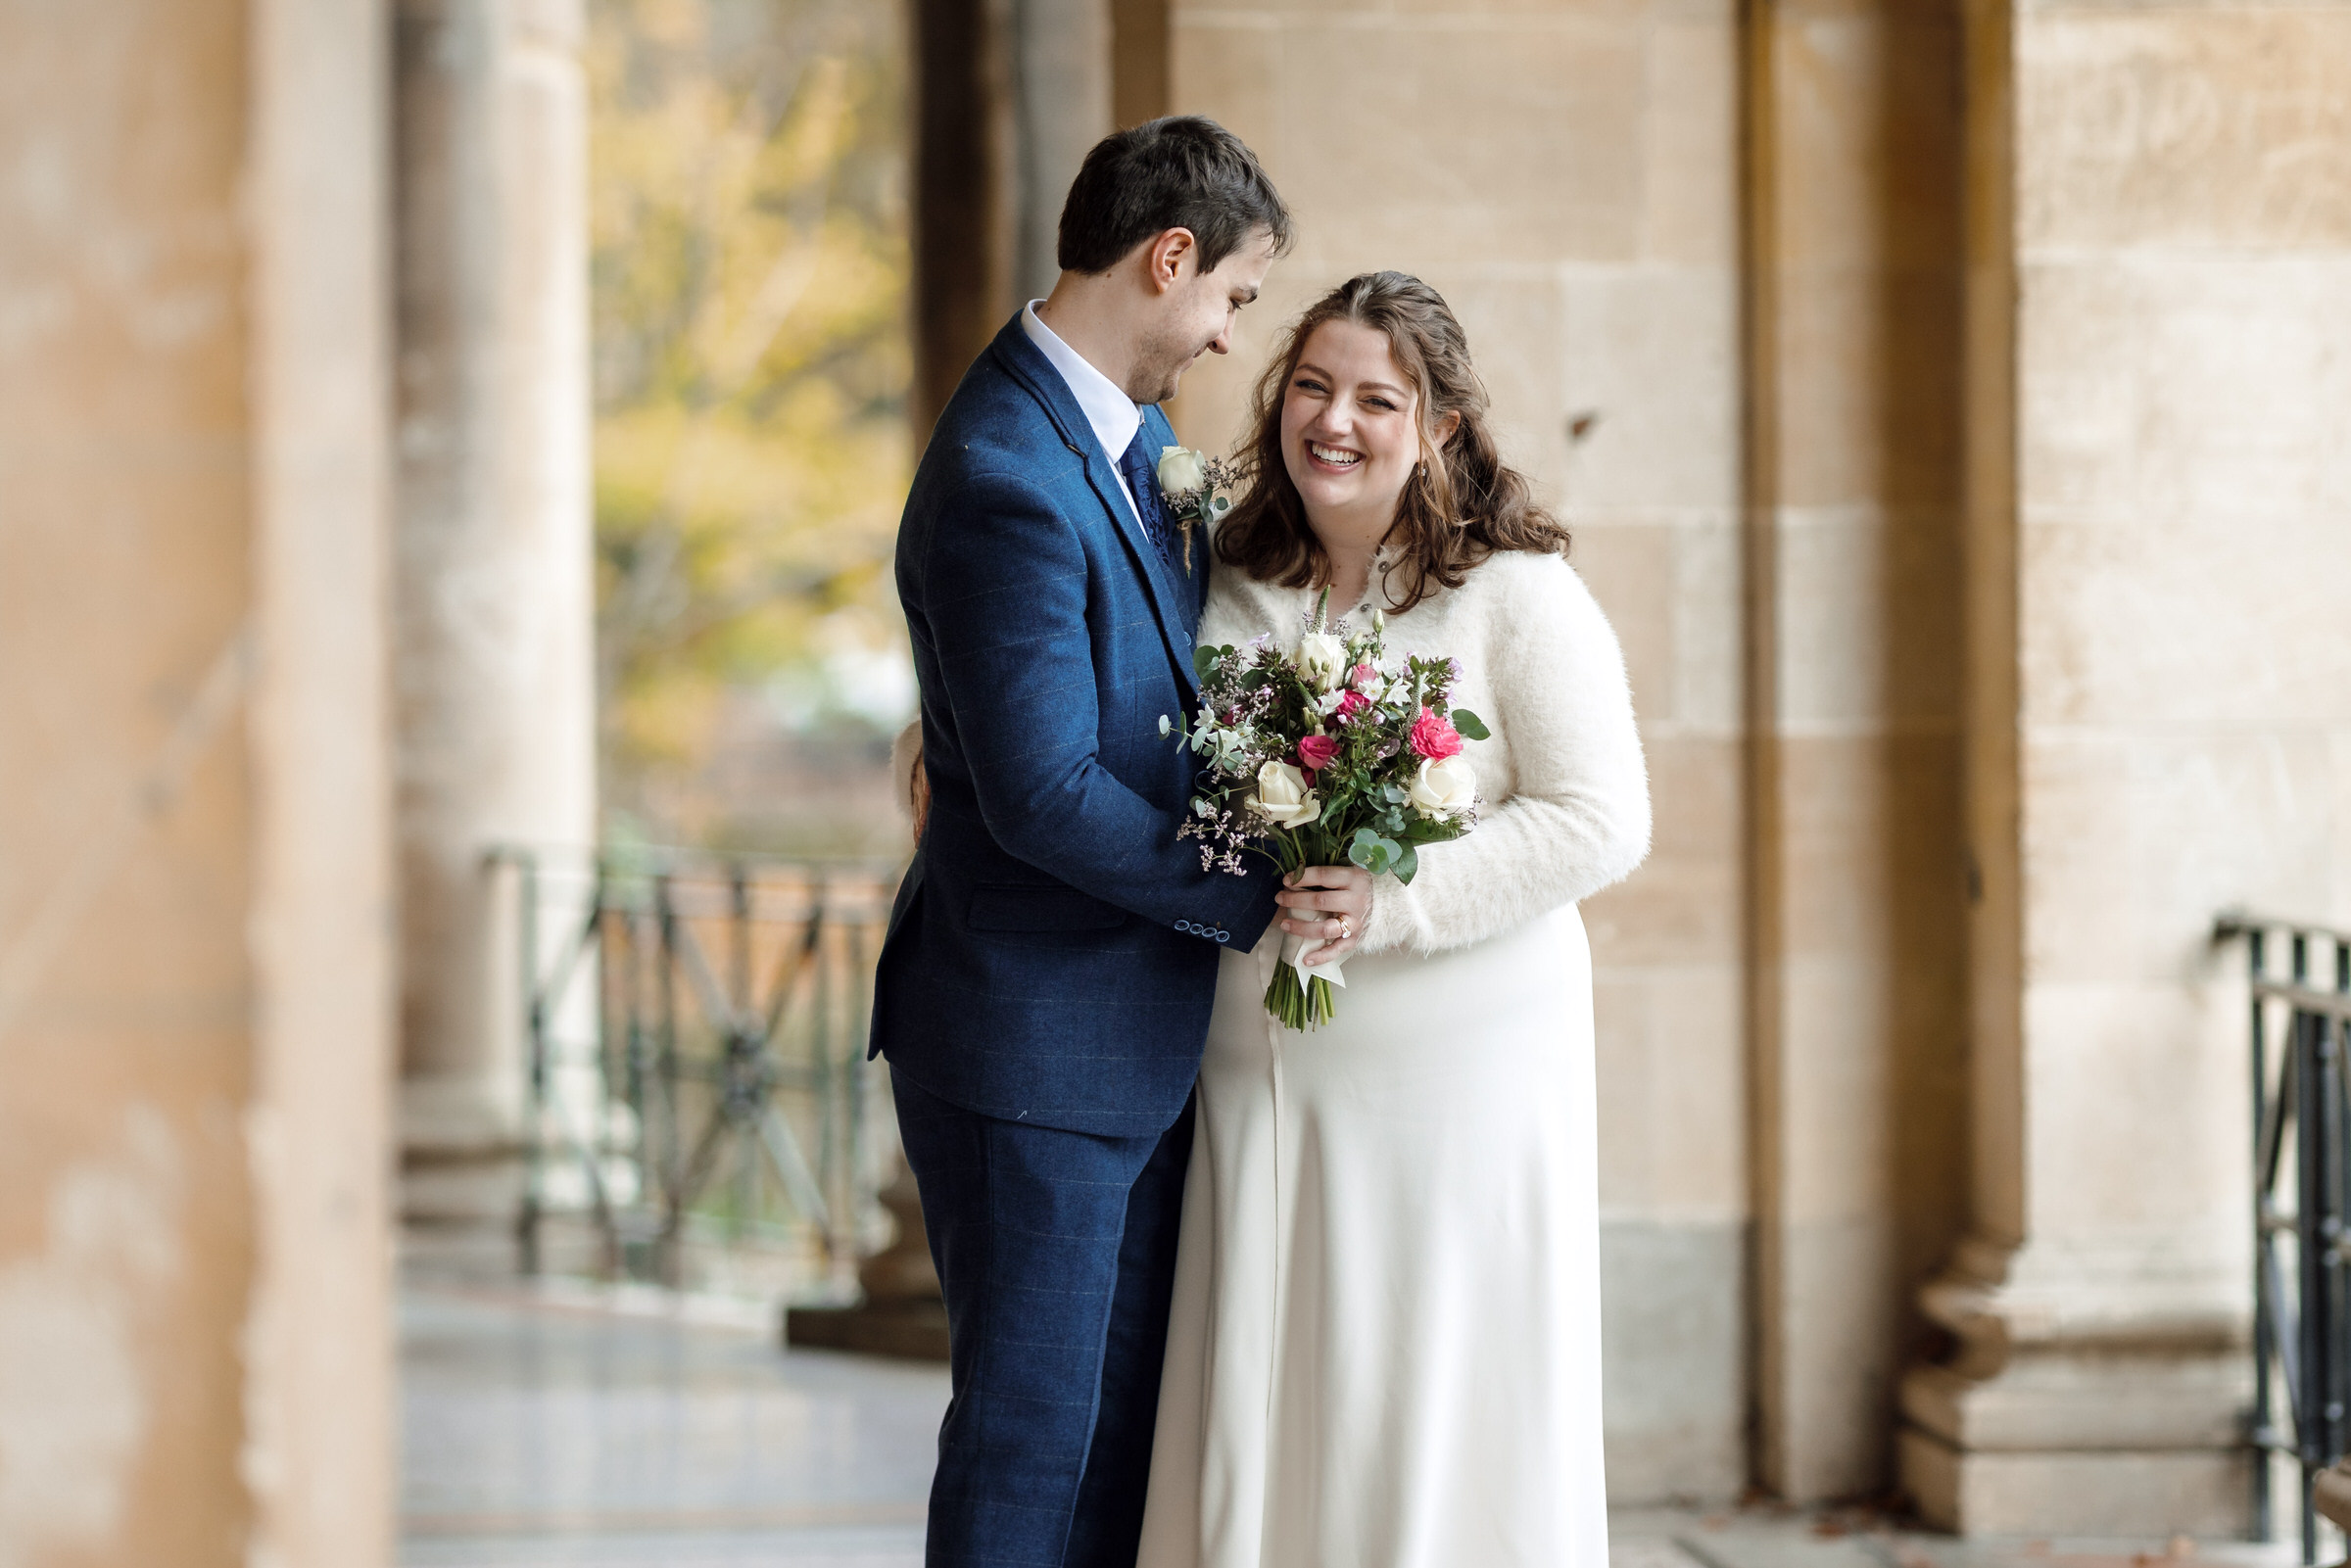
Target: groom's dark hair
1183	171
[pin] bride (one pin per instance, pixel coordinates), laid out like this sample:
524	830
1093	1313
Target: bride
1384	1346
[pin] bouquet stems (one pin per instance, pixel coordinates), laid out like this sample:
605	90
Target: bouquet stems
1300	1001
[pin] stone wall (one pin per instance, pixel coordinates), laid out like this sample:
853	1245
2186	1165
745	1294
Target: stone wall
1566	173
1953	467
194	857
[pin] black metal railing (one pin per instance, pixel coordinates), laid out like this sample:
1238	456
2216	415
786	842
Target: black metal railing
695	1038
2301	1026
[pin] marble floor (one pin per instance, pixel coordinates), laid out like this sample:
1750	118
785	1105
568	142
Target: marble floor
572	1428
599	1432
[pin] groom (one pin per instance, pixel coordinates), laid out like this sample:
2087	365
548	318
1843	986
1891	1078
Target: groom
1044	992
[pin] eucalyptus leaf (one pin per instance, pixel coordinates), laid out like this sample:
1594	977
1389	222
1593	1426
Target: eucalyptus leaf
1472	728
1407	863
1203	661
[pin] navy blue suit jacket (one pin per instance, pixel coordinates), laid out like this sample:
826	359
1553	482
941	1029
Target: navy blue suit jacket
1052	954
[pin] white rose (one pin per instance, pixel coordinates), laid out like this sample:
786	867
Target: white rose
1283	797
1444	788
1181	469
1321	659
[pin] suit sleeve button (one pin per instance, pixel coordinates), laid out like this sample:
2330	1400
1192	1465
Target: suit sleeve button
1223	936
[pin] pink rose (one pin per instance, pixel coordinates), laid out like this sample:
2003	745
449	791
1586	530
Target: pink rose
1318	751
1365	675
1351	705
1434	737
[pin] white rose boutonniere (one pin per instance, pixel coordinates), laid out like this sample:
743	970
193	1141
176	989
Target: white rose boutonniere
1181	469
1444	788
1194	487
1283	797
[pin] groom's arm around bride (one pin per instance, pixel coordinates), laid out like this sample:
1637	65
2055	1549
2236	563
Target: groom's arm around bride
1046	984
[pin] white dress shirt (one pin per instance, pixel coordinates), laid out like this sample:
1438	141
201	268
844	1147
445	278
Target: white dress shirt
1112	413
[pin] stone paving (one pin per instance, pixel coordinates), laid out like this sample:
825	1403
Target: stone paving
573	1428
624	1432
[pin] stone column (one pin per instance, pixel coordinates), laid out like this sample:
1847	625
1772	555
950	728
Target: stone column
1062	91
966	181
1009	96
2159	725
1139	47
492	587
195	883
1853	190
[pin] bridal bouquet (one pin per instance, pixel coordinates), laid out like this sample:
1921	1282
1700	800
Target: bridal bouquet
1330	752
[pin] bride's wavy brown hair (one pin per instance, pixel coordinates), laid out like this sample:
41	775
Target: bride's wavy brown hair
1463	503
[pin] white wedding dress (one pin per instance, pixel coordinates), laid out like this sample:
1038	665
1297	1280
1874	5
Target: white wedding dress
1384	1351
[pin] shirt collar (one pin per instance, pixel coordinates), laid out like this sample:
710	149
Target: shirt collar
1110	411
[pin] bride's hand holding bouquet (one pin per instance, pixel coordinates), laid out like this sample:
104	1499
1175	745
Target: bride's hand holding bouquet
1331	753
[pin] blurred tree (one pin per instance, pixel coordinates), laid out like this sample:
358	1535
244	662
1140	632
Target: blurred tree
751	367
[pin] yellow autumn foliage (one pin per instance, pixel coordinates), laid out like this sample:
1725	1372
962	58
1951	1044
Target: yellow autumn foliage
749	266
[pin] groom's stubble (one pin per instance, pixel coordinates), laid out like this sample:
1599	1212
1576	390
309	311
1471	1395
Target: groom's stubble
1159	365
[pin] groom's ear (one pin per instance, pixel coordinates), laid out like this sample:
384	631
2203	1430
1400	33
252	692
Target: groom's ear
1166	255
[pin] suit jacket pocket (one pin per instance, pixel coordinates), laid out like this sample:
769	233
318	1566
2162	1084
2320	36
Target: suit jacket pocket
1040	909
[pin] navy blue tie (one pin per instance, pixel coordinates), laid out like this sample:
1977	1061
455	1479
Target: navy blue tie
1142	478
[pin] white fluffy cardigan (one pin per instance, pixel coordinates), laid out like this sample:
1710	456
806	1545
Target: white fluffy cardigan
1564	795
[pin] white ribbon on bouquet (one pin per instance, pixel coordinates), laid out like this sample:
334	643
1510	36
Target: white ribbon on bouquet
1294	950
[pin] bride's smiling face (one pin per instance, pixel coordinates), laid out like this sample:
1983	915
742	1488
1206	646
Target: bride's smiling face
1350	426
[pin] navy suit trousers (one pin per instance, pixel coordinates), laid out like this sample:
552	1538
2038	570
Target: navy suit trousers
1057	1253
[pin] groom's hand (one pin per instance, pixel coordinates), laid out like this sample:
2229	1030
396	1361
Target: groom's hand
1332	902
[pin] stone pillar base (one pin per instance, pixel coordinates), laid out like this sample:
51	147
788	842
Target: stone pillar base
462	1175
902	1313
2130	1494
913	1330
2331	1490
473	1253
2131	1444
472	1187
2078	1401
